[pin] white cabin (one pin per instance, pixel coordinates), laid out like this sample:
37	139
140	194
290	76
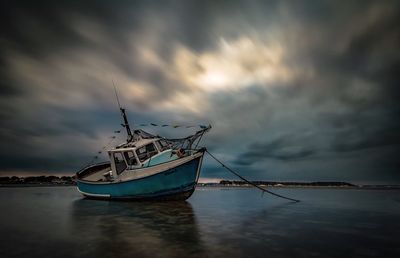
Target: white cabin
139	154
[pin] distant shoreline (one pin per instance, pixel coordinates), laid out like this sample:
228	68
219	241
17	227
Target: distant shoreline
219	186
360	187
50	181
34	185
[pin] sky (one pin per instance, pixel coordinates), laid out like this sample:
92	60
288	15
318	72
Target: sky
294	90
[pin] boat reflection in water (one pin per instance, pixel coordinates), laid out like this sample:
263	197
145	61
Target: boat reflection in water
135	229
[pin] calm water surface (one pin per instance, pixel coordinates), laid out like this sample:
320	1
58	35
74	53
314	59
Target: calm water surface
57	222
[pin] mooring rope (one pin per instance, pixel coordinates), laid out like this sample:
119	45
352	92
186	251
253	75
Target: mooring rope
249	182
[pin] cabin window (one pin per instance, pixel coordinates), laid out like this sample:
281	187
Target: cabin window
130	158
120	164
163	145
146	152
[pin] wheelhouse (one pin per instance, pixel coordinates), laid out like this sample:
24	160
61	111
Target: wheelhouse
144	153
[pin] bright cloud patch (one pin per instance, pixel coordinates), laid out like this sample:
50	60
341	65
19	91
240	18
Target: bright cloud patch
232	66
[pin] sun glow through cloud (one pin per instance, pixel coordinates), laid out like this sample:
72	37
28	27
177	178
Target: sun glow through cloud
233	65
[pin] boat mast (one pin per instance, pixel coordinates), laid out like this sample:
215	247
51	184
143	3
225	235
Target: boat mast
126	123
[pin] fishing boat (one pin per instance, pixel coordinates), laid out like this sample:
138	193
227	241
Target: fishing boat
145	167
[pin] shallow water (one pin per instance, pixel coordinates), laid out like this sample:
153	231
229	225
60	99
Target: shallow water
214	222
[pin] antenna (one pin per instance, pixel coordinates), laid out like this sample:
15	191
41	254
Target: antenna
125	124
116	94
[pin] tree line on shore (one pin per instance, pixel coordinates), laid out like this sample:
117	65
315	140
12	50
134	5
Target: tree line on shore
275	183
54	180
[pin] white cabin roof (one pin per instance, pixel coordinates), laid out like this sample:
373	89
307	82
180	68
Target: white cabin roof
133	145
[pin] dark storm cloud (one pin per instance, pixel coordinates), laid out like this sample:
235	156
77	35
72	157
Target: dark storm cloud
39	30
304	81
360	76
282	149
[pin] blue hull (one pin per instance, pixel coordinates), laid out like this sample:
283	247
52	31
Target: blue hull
175	183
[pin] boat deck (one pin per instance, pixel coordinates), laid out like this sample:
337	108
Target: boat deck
101	175
96	173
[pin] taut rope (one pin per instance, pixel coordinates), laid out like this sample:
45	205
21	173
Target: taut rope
249	182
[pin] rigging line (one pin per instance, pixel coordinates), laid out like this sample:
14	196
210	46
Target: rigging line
249	182
199	140
116	94
100	151
109	143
